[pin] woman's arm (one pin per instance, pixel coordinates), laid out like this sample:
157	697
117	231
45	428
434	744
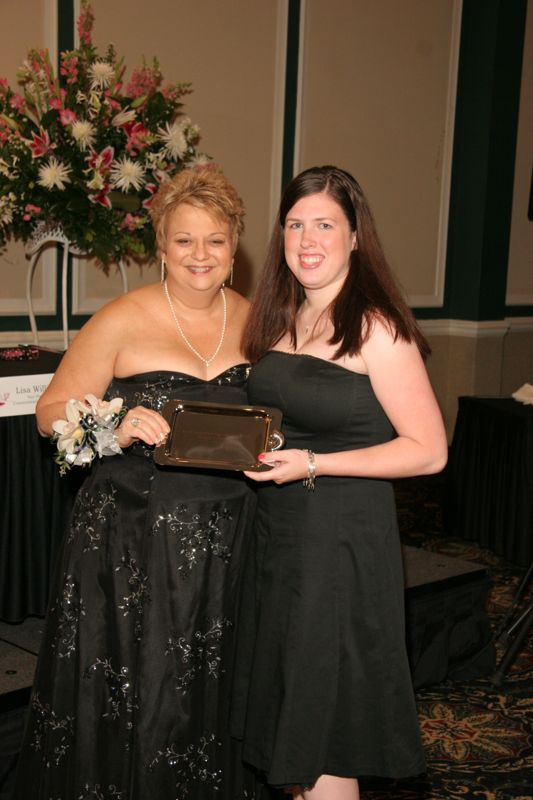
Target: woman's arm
88	368
402	387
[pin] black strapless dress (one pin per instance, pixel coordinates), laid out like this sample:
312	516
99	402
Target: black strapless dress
131	695
322	683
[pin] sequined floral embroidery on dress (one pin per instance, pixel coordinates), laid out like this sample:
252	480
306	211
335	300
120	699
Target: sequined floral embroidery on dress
135	601
201	656
120	691
197	536
190	764
51	732
70	607
96	792
155	394
90	516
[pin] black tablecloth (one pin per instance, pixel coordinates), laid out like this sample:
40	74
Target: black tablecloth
35	504
490	485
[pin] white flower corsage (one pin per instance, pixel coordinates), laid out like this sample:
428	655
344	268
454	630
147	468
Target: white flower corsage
87	431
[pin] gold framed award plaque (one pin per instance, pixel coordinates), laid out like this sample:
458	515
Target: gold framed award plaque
218	435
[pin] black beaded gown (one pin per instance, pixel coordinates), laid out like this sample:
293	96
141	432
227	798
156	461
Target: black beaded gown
131	695
322	682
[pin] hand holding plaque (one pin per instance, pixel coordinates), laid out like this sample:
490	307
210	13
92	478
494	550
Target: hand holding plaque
218	435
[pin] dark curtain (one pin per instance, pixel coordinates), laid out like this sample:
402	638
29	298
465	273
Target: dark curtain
490	486
35	504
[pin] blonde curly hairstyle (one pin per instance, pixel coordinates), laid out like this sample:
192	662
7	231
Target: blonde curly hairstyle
204	187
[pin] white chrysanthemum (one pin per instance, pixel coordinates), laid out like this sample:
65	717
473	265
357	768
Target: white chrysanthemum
123	117
200	160
94	103
174	140
101	74
5	169
154	160
84	133
7	204
127	174
53	174
190	129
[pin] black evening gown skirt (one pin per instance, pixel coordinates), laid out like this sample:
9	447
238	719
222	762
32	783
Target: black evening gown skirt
131	695
322	682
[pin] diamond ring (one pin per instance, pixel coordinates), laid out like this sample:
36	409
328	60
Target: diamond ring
135	421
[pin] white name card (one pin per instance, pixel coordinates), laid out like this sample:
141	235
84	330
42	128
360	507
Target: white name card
19	394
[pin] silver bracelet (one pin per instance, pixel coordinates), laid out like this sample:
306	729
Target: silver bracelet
309	481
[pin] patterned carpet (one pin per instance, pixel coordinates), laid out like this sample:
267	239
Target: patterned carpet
478	737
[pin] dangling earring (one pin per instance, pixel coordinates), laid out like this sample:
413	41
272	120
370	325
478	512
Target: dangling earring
163	270
231	275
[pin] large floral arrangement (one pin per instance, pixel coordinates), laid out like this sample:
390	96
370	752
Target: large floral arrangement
83	153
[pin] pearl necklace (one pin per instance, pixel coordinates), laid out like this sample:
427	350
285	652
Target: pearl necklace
206	361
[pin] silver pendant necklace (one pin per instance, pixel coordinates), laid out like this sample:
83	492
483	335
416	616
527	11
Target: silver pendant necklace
191	347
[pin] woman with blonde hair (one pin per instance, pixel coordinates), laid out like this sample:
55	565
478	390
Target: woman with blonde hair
130	696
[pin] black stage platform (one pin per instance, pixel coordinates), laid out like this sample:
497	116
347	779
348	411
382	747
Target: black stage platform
448	630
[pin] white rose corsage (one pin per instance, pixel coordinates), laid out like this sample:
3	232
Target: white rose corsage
87	431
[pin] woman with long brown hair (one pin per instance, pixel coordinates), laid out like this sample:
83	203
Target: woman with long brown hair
322	693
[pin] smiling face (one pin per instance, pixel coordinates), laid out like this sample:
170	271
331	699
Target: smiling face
198	248
318	242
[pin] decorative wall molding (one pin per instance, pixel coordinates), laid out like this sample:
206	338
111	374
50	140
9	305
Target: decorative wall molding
82	302
276	159
77	11
465	328
50	29
436	298
296	168
52	340
46	301
520	324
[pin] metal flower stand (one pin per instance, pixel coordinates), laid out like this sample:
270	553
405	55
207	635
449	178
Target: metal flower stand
38	242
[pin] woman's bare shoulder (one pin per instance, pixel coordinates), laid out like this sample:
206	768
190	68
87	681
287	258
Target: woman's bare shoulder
240	305
142	299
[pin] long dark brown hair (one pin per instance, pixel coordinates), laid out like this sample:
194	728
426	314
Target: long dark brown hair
369	291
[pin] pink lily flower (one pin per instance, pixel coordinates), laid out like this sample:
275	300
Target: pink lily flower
137	134
101	162
41	144
151	188
101	198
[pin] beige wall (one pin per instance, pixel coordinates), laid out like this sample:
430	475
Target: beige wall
466	362
485	359
518	360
